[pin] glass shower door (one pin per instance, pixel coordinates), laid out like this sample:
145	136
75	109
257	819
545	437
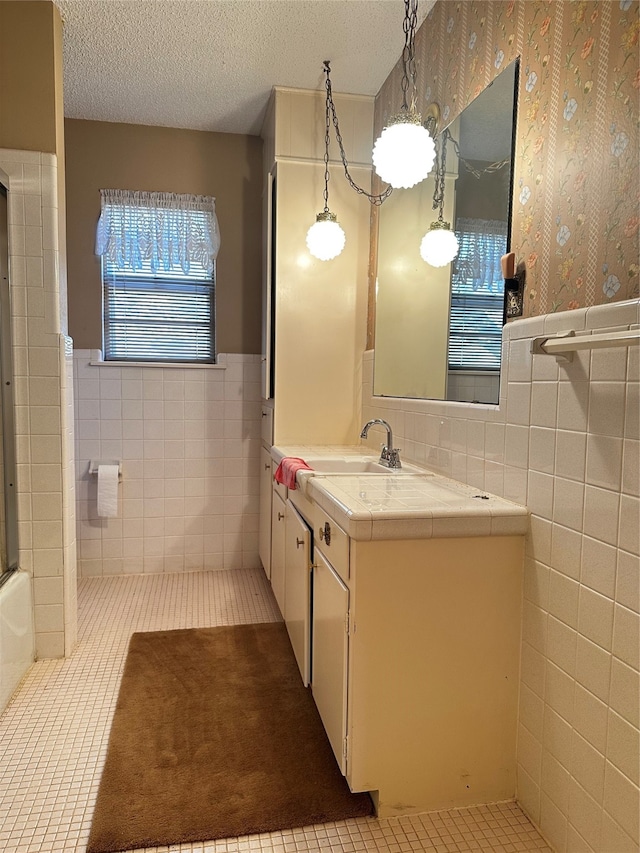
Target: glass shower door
8	510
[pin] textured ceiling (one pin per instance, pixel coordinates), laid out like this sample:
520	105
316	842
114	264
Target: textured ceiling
210	64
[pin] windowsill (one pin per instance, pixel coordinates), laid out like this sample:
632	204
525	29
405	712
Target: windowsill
171	365
475	371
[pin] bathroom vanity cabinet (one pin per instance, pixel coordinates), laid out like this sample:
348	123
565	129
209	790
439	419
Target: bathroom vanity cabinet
278	546
266	487
297	587
330	652
415	668
408	631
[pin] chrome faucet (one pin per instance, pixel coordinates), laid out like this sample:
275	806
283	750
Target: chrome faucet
390	455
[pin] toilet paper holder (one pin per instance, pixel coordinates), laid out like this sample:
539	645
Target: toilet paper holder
95	463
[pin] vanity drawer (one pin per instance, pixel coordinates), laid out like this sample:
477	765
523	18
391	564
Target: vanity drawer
332	541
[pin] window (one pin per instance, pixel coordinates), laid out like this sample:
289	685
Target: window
163	317
477	296
158	272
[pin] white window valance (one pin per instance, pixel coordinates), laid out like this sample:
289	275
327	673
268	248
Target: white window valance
157	230
482	243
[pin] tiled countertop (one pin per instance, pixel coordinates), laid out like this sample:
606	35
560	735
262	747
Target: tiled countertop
414	504
310	451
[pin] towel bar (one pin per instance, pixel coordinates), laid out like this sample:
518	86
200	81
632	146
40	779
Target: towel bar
564	344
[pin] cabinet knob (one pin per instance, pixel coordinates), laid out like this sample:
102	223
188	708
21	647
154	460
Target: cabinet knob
299	543
264	414
280	516
266	466
325	533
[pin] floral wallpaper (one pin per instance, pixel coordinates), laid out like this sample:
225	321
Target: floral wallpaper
576	189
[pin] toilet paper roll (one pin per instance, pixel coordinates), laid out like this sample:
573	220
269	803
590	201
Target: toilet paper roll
107	491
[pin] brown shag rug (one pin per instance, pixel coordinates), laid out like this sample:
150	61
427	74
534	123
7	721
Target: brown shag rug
214	736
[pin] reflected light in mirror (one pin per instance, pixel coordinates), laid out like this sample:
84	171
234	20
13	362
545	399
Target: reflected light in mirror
304	261
439	245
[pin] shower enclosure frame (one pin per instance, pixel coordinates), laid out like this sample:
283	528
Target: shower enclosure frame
7	399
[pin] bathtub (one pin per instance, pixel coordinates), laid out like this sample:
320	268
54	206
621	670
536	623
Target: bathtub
17	642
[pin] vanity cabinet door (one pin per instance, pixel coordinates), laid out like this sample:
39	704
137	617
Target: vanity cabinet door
264	529
330	640
277	549
297	587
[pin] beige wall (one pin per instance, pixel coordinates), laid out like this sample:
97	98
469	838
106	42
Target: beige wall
31	97
102	155
30	71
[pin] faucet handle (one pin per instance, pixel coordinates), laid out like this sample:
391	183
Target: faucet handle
390	456
393	457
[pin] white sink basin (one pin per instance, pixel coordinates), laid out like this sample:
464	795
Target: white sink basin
356	465
346	465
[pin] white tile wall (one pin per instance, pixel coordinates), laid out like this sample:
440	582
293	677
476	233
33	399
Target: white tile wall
467	385
69	496
189	441
564	440
43	398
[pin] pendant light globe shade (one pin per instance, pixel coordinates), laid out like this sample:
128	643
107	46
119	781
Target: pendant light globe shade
325	238
439	245
404	152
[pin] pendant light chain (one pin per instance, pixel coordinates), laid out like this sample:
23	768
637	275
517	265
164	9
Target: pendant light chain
440	244
373	198
409	54
326	158
477	173
441	168
404	152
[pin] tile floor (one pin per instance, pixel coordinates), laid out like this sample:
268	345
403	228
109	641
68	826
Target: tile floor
53	735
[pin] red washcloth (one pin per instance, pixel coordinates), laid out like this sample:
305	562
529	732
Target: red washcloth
286	471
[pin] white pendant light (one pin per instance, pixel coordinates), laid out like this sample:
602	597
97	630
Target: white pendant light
439	245
325	238
404	152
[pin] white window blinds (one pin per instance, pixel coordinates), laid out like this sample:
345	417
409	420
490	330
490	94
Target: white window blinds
158	261
477	295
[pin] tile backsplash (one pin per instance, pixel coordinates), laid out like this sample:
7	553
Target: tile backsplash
565	441
189	441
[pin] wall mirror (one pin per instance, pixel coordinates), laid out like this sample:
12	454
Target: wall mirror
438	330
